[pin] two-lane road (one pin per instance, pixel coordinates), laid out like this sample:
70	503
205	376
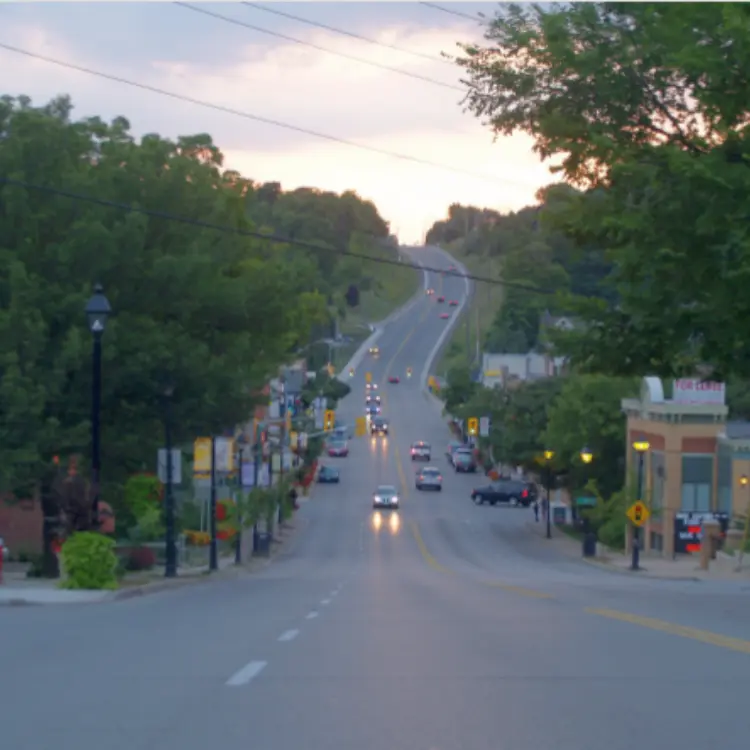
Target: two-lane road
451	629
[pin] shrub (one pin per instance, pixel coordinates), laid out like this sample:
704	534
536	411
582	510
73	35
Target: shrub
140	558
89	562
197	538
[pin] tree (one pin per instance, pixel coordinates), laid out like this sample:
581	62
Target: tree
587	414
647	106
459	389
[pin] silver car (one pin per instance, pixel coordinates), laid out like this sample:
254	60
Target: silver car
385	496
429	478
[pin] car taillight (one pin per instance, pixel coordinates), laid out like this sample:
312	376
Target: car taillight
525	493
440	477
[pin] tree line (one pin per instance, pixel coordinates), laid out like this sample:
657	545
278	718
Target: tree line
645	242
204	313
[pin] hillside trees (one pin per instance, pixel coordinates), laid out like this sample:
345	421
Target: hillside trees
210	313
647	106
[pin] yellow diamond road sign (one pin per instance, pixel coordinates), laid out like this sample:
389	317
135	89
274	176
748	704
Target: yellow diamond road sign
638	513
368	377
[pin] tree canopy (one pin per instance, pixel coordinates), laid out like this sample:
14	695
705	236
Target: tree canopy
210	314
645	106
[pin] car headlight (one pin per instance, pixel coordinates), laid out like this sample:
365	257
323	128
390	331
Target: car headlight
377	498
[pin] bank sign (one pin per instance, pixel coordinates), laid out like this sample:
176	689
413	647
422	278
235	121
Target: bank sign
696	391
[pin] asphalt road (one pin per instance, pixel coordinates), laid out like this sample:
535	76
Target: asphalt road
453	630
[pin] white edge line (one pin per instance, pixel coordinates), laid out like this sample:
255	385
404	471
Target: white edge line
325	601
311	615
247	673
289	635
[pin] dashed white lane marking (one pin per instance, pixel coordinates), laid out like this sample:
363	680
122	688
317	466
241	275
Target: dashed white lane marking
247	673
289	635
324	602
311	615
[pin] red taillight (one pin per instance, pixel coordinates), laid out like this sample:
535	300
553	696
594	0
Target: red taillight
525	493
440	478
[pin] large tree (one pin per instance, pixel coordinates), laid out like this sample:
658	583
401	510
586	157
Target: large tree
645	106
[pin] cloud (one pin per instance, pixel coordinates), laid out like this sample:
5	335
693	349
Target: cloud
291	83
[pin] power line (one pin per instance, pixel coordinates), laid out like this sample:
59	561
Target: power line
259	118
278	35
351	34
454	12
226	229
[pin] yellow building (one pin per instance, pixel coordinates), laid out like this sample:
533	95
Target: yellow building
696	462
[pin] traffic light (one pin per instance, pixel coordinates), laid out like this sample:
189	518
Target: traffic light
352	296
360	426
329	419
473	425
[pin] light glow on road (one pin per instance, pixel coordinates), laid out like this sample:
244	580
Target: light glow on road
377	521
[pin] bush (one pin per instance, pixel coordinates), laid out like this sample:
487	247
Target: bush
140	558
89	562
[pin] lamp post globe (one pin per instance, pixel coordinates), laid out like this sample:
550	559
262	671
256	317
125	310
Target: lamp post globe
98	310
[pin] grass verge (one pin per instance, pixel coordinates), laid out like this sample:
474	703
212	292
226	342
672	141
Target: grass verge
478	314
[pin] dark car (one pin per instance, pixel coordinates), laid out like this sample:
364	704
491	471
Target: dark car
441	298
328	475
511	491
463	460
373	400
372	410
378	426
453	303
394	379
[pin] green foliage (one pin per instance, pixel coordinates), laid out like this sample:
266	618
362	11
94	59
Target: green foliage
587	413
149	525
647	105
89	562
210	314
459	390
141	494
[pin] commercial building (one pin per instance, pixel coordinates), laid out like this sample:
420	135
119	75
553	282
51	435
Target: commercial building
697	464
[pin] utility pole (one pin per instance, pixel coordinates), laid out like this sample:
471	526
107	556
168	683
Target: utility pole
238	547
213	562
170	566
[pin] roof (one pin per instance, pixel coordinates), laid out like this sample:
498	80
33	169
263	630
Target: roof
738	430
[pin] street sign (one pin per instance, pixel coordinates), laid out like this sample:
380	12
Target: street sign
360	426
302	440
368	377
161	463
319	419
288	421
293	440
329	419
484	426
472	425
638	513
202	457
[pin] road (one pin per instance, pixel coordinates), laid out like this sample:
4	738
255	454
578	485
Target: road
456	630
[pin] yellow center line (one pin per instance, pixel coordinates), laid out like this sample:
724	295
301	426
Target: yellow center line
531	593
695	634
428	558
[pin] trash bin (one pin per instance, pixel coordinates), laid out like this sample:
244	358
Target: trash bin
589	544
262	544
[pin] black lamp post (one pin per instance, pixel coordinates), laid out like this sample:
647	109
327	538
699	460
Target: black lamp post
170	537
641	447
548	456
98	310
589	537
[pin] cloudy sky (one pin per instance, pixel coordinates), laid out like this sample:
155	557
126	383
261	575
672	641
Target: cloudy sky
176	49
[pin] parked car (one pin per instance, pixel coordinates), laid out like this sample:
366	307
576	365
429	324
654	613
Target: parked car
463	460
453	446
429	478
420	451
328	475
509	491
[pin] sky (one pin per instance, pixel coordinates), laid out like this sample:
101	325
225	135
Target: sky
168	46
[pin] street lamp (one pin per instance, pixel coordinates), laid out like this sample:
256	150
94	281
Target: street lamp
586	456
548	456
170	564
589	537
97	311
640	446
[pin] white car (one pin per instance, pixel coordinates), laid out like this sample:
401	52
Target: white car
421	451
385	496
429	478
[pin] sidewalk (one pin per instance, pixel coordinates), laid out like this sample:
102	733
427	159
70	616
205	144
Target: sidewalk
17	590
684	568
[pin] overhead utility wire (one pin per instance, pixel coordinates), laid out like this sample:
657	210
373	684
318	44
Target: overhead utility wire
458	13
287	38
259	118
351	34
226	229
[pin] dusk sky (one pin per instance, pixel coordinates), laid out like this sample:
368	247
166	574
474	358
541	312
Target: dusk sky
173	48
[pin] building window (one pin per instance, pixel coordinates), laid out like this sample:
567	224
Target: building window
697	482
657	479
724	479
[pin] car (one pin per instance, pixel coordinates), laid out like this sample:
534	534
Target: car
341	432
453	303
378	426
508	491
338	448
4	551
429	291
463	460
372	410
429	478
453	446
328	475
375	351
371	387
444	316
441	299
385	496
372	400
420	451
394	379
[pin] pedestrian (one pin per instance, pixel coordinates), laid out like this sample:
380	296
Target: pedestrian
536	510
